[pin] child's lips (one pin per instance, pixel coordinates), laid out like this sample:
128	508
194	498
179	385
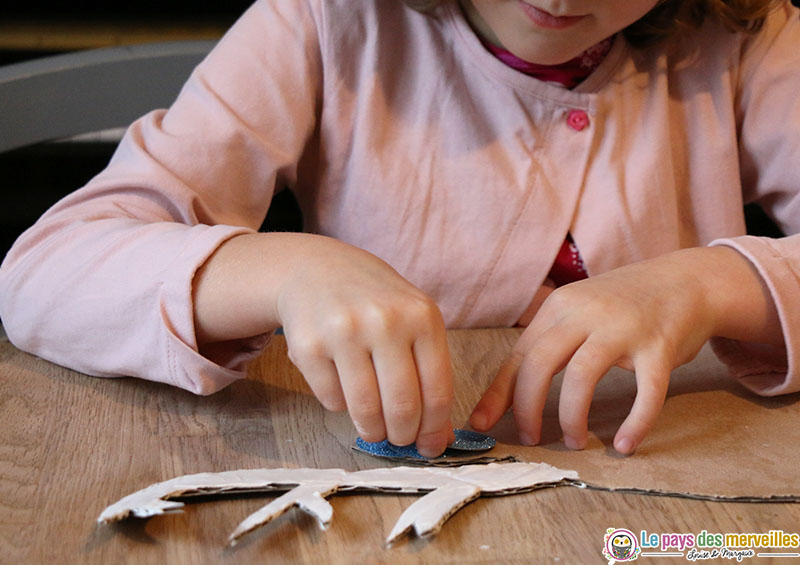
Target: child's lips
546	19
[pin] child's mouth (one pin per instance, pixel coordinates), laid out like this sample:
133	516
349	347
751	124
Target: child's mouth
547	20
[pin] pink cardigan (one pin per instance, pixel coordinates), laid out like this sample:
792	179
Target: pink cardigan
401	134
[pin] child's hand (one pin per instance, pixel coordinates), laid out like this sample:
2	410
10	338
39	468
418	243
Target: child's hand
368	341
365	339
648	317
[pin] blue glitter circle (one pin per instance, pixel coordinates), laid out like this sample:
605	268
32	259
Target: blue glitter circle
466	440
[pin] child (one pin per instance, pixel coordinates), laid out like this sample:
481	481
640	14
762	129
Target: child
465	156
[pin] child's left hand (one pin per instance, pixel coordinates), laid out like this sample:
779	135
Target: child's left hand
648	317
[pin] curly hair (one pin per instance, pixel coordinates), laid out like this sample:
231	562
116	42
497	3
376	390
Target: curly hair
670	16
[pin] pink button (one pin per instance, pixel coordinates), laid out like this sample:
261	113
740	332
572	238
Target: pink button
577	120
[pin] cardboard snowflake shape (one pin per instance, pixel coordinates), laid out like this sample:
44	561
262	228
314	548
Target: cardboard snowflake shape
445	490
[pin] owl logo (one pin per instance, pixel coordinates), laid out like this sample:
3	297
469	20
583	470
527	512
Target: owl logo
620	545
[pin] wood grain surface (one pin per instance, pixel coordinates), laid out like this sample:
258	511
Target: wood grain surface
73	444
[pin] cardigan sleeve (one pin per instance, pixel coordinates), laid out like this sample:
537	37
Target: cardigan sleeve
102	283
768	111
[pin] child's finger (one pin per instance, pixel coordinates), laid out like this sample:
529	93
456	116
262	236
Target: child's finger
588	365
436	387
551	352
323	378
399	391
360	386
652	381
499	396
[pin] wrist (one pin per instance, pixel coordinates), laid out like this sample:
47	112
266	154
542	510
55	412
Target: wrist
741	305
235	291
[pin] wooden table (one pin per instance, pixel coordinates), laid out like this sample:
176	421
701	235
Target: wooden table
72	444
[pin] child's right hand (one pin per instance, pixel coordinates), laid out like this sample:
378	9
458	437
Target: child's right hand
365	339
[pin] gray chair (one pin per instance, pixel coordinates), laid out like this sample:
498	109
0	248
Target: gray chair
87	91
95	90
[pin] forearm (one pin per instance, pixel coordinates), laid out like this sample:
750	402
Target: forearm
236	290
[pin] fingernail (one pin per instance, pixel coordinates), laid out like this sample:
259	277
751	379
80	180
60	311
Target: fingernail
430	453
625	445
526	439
572	443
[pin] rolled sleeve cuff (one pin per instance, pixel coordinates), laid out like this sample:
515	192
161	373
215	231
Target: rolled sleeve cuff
768	371
221	364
